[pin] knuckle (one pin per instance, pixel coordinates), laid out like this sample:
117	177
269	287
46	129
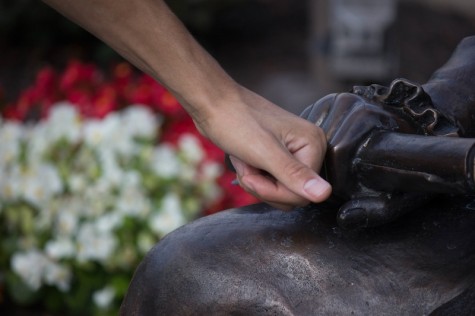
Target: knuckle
293	169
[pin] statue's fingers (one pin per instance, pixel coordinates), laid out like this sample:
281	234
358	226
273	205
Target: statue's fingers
352	116
360	213
317	112
375	211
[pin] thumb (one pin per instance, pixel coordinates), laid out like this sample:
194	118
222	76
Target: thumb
301	179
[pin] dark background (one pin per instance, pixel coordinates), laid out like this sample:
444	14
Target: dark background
263	44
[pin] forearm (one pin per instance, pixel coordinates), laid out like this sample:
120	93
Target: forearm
259	134
149	35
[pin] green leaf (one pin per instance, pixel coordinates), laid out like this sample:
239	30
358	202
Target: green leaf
20	293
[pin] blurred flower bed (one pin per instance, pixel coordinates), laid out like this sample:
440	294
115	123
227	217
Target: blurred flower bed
94	169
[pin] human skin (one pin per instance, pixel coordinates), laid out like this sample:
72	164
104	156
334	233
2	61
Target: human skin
261	138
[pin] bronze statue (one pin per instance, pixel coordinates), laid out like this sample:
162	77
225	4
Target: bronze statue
402	166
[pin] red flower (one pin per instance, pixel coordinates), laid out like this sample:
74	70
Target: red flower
166	103
10	112
81	99
104	102
79	75
172	130
122	74
85	87
140	93
45	83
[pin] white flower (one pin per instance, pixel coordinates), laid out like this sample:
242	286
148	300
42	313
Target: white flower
169	217
34	267
55	274
38	139
211	192
67	222
94	245
11	135
107	186
60	248
112	173
62	215
63	122
40	183
77	182
165	162
103	298
212	171
29	266
138	120
188	173
105	134
97	198
132	202
10	182
106	223
190	147
131	179
210	188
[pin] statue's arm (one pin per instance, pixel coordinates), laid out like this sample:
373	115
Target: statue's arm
452	88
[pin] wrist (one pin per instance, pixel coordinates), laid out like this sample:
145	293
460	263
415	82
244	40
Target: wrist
211	104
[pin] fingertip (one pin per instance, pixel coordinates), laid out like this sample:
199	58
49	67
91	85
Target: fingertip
318	189
272	192
352	218
248	184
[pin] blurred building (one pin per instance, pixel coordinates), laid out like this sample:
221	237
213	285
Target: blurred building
360	41
359	38
463	7
352	40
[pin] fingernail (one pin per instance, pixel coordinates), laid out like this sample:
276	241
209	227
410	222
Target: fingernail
317	188
237	164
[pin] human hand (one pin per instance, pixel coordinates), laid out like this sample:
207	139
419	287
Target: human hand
276	155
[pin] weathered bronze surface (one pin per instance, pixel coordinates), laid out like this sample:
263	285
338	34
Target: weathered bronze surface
392	151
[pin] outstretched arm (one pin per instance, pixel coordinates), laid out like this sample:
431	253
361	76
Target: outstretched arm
257	134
